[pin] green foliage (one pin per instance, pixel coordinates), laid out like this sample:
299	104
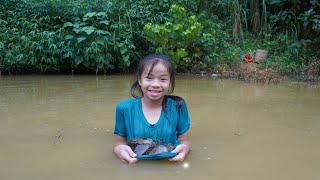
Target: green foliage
310	20
62	35
225	51
90	40
33	41
26	47
177	34
99	41
65	9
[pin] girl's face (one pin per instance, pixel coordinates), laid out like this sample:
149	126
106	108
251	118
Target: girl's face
155	84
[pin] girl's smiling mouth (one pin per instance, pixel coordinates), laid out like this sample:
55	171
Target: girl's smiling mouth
154	92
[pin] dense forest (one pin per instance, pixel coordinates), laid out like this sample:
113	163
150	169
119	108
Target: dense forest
111	36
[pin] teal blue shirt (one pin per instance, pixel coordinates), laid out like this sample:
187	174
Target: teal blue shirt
131	122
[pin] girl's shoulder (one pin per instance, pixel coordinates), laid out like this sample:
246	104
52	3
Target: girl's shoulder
128	103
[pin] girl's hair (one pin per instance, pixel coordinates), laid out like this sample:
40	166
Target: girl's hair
151	61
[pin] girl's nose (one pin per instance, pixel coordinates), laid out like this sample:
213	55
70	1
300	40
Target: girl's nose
155	83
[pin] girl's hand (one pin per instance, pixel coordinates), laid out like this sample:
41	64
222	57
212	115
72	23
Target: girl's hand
182	151
125	153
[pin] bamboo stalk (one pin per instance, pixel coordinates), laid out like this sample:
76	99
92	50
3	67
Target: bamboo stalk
256	15
236	19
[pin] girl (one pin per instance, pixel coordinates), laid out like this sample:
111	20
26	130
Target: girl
152	114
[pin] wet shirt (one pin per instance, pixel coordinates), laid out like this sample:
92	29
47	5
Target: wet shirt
131	122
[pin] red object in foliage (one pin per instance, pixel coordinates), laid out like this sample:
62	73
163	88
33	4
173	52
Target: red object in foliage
248	58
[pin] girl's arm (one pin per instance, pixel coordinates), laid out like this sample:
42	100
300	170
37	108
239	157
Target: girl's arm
183	148
123	151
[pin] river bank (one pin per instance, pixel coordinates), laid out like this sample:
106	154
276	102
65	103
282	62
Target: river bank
252	72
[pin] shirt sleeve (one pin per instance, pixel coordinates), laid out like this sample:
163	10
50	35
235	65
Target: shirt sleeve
184	120
120	121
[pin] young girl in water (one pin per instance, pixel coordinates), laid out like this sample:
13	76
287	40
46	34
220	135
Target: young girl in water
152	113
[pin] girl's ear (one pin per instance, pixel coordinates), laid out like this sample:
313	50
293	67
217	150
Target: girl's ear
139	82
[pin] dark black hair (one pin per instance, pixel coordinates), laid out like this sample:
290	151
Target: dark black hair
151	61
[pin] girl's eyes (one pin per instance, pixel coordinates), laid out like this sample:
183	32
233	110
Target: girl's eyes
162	79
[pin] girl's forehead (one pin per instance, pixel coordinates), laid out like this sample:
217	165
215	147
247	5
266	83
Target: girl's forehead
158	68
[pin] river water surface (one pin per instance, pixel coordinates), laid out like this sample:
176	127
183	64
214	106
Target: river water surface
61	128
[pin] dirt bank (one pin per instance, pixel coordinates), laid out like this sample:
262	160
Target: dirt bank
252	72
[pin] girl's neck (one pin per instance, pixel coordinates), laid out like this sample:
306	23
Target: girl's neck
152	104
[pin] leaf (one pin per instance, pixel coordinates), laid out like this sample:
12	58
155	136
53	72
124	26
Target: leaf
132	46
119	45
106	22
90	14
88	29
67	24
126	59
80	39
3	22
68	37
68	54
101	32
123	50
177	27
100	42
82	24
78	60
77	30
101	14
53	46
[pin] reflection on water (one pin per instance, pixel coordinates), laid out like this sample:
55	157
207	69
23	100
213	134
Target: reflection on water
61	127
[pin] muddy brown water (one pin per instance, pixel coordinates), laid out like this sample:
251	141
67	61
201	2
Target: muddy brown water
61	127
